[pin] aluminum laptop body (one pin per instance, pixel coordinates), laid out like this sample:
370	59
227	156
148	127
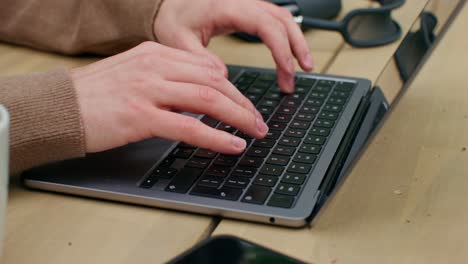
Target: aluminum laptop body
117	174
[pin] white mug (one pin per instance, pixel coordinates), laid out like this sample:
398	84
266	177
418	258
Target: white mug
4	160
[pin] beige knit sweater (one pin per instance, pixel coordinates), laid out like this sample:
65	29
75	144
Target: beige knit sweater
45	118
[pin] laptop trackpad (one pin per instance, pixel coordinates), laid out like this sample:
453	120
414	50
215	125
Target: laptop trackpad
119	168
124	165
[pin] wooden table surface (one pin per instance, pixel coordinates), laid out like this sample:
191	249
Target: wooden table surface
403	201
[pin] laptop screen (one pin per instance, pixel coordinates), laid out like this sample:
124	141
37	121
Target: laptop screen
414	48
390	85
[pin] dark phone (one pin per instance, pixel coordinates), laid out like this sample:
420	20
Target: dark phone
231	250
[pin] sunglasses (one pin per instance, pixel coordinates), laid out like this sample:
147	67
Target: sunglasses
366	27
415	46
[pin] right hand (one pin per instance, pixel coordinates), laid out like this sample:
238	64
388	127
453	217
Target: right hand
130	97
196	22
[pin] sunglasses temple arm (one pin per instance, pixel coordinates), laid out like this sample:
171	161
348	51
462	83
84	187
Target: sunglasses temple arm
318	23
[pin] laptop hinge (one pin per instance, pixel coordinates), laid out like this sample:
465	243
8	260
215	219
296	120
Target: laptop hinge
367	117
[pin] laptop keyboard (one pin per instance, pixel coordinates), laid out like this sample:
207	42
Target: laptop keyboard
273	170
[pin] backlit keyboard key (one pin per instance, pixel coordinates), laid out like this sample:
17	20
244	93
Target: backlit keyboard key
256	194
310	148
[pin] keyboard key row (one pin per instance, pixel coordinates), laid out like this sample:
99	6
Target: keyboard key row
271	166
273	170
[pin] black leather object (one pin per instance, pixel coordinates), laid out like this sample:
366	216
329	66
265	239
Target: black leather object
324	9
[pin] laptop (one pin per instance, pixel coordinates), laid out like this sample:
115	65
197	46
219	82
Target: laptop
281	179
285	179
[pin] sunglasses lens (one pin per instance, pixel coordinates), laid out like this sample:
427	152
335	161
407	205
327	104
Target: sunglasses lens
372	28
386	2
389	2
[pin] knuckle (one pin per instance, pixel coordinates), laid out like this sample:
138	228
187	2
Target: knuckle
285	14
229	8
248	116
148	45
132	104
245	103
189	126
145	62
244	119
281	29
163	88
134	110
140	82
248	104
214	76
210	62
289	71
215	138
207	94
219	67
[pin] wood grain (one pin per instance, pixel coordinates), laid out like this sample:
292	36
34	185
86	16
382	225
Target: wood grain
51	228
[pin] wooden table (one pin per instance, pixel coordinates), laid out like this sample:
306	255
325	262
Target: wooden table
368	220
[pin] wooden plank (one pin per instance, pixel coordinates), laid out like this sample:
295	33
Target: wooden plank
341	232
16	60
51	228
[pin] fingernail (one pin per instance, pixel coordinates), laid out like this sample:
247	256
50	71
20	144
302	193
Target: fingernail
261	126
308	62
238	143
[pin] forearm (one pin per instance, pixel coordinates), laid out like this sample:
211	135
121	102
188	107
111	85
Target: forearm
45	119
77	26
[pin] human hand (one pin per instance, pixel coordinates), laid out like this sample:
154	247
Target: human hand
129	97
189	25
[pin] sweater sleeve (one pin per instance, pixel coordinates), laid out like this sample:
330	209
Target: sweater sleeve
78	26
45	123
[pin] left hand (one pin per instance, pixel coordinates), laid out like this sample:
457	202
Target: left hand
189	25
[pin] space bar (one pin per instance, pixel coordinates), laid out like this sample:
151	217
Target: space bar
184	180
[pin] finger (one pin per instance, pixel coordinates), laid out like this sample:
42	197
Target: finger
244	16
190	42
192	131
297	41
187	73
156	52
203	99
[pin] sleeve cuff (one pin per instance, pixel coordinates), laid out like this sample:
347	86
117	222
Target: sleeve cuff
45	119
